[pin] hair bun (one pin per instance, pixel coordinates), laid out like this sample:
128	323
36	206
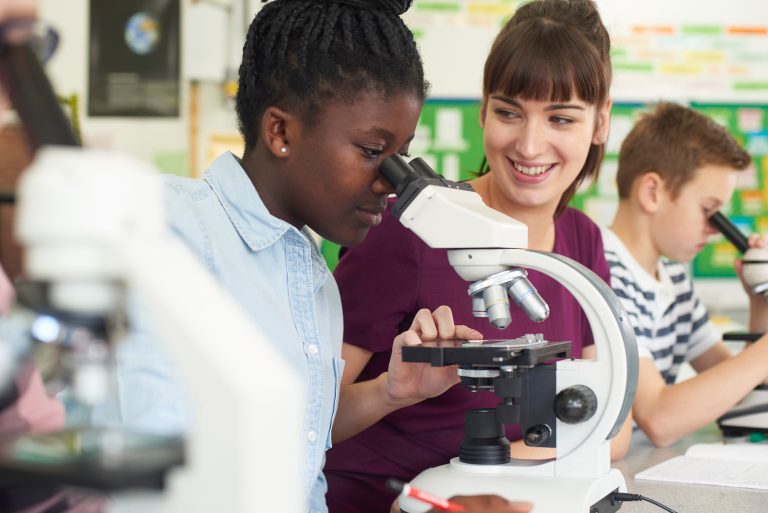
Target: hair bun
396	7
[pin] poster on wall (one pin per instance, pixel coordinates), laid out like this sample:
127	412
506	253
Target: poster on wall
133	58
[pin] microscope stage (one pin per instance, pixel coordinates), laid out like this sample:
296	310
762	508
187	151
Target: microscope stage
487	353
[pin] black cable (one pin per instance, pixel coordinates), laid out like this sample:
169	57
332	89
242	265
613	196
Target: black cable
629	497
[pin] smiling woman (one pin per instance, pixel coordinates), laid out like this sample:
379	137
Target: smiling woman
548	75
538	151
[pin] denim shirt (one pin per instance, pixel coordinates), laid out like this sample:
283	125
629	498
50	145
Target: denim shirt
278	275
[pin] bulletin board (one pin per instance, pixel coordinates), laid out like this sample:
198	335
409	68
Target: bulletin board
658	49
690	61
449	138
749	204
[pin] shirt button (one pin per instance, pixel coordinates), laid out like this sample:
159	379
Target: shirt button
312	436
312	348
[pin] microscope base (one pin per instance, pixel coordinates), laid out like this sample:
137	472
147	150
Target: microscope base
549	494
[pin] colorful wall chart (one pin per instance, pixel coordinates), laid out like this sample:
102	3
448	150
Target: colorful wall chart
690	61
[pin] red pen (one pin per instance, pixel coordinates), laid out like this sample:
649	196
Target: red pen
433	500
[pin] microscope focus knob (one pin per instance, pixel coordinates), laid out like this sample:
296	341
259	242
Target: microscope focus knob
538	435
575	404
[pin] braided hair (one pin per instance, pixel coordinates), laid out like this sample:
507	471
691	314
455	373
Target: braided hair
302	54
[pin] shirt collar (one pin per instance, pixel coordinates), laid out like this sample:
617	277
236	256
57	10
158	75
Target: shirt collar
642	277
242	203
248	214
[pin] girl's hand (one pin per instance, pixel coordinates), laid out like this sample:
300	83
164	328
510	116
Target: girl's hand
408	383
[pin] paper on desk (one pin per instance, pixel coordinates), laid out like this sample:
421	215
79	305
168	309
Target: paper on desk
735	465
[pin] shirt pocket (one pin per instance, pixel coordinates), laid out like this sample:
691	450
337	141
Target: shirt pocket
338	371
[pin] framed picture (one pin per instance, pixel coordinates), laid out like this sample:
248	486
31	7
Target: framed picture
133	61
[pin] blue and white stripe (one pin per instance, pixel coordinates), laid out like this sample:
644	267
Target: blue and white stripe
671	324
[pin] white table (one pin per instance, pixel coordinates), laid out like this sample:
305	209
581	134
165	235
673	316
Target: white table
683	498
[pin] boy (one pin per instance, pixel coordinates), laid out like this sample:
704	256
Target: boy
676	168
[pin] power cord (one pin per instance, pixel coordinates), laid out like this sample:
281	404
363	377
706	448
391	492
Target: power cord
629	497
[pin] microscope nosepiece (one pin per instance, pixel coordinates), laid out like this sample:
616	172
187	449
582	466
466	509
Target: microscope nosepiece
490	298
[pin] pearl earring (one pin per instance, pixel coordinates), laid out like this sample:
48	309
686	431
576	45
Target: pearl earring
283	150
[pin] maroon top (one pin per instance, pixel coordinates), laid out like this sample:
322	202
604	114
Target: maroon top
383	282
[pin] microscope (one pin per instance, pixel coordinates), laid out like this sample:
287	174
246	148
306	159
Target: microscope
92	226
575	406
755	262
750	415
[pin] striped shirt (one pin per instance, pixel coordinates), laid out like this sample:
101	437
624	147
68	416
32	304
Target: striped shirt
671	324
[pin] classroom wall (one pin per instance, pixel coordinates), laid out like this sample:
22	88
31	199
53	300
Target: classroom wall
454	37
453	53
212	37
68	69
696	53
455	40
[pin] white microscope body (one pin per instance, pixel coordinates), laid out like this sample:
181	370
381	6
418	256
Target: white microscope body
93	227
476	237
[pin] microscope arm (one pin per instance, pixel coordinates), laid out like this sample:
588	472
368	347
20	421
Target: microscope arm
613	374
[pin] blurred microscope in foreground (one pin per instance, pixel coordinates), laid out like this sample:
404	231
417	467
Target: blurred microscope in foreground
92	225
575	406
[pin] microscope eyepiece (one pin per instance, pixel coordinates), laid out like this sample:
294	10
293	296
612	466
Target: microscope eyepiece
397	172
422	168
755	261
724	225
34	99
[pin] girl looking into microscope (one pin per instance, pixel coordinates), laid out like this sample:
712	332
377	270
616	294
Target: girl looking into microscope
545	115
327	90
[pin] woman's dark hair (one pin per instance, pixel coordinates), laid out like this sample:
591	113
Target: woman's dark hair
552	50
302	54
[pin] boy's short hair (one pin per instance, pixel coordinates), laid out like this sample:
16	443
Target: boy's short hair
674	141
